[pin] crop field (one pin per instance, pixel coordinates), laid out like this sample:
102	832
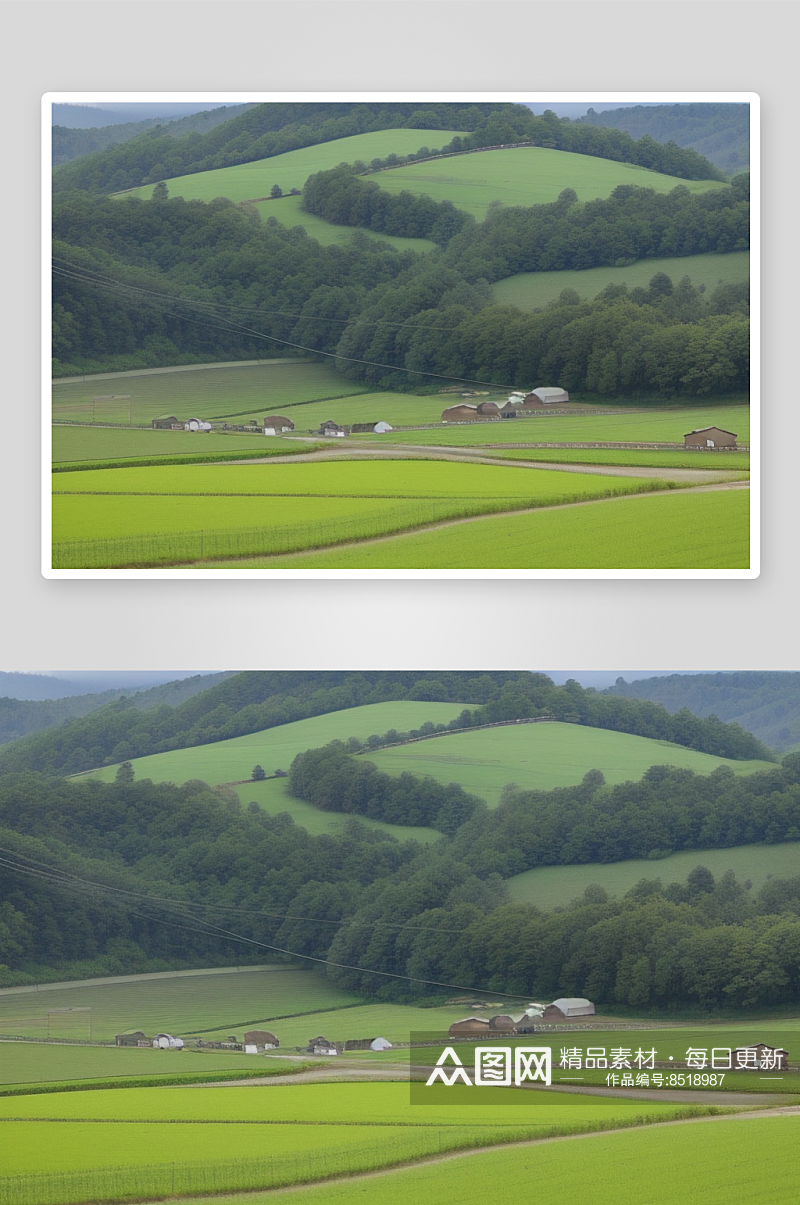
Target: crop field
253	181
675	531
524	176
236	392
712	1163
31	1063
534	290
542	756
74	443
641	426
192	1004
61	1148
621	456
288	212
163	515
556	886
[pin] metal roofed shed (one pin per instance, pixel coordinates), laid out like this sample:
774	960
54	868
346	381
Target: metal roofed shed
567	1007
710	437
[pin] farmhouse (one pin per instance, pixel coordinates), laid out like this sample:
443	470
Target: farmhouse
320	1045
262	1039
131	1037
567	1007
276	424
196	424
710	437
331	428
167	422
460	413
545	395
759	1058
469	1027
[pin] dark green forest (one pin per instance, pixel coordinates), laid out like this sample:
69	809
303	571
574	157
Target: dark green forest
719	131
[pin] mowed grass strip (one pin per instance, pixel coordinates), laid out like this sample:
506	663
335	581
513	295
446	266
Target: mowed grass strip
533	290
640	458
524	176
676	531
541	757
236	392
653	425
712	1163
253	181
557	886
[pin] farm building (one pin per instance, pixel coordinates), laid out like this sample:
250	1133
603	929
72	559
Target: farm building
469	1027
320	1045
196	424
368	1044
131	1037
331	428
710	437
165	1041
262	1038
166	422
567	1007
460	413
276	424
489	409
545	395
512	1023
381	428
759	1058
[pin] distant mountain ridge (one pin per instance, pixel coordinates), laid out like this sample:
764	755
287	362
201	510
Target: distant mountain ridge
719	132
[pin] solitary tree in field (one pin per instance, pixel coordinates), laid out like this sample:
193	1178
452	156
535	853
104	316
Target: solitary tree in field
258	774
276	191
160	192
124	772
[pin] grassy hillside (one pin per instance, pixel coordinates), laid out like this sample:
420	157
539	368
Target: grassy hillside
289	212
542	756
276	748
555	886
253	181
534	290
523	176
236	392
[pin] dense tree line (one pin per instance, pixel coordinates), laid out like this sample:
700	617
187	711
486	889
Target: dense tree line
765	703
718	131
331	780
69	143
342	197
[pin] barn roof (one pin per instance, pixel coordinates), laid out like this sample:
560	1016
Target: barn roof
565	1002
700	430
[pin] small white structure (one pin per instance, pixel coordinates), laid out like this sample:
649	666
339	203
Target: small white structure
196	424
551	395
380	1044
165	1041
250	1049
382	428
325	1050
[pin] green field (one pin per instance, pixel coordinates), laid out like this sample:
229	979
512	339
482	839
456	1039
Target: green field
645	426
621	456
253	181
524	176
236	392
534	290
74	443
711	1163
30	1063
289	212
542	756
181	1004
166	515
674	531
555	886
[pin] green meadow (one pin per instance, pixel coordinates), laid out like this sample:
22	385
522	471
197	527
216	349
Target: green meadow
196	1004
712	1163
288	211
214	392
534	290
664	531
76	444
621	456
524	176
542	756
253	181
555	886
32	1062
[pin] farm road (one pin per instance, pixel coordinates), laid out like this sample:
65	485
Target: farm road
426	452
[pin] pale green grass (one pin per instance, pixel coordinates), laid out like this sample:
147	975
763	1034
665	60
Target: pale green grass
674	531
236	392
180	1005
397	409
29	1063
534	290
543	756
114	443
711	1163
395	1022
253	181
555	886
621	456
288	212
524	176
654	425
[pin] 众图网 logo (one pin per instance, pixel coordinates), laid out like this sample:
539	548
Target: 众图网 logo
494	1066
